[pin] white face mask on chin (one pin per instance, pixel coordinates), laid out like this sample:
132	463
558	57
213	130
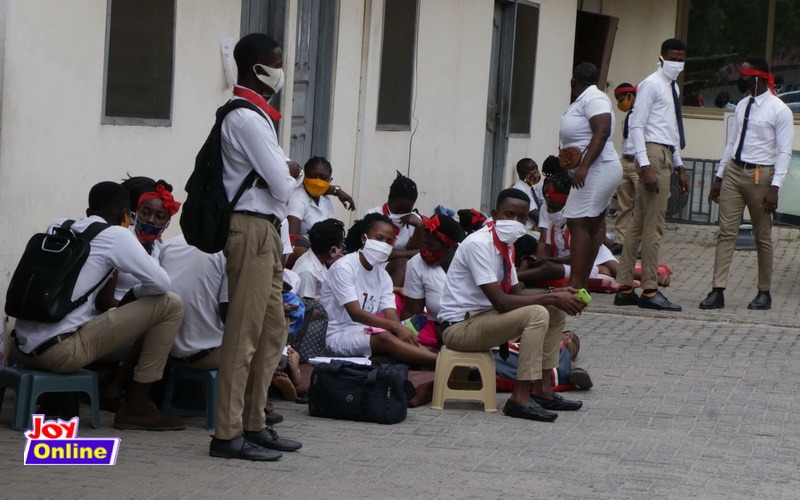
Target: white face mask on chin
509	231
376	252
671	69
274	77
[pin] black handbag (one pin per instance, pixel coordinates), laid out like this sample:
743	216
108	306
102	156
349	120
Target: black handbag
349	391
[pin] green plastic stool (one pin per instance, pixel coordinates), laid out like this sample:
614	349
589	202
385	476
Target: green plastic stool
209	380
29	384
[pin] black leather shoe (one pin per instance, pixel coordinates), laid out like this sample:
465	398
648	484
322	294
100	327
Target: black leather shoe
242	449
580	378
658	302
626	299
268	438
714	300
273	418
531	411
762	302
558	403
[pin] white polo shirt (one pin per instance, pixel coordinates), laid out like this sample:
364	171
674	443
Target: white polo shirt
201	281
477	262
114	248
424	281
303	206
313	274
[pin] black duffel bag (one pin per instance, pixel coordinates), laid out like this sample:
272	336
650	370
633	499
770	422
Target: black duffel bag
349	391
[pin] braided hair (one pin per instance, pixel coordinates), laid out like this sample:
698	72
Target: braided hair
352	242
552	171
325	234
403	188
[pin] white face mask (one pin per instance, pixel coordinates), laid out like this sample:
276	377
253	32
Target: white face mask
509	231
671	69
376	252
274	77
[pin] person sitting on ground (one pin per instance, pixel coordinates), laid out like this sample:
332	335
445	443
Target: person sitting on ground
357	289
326	238
529	182
148	310
407	225
310	204
483	306
426	272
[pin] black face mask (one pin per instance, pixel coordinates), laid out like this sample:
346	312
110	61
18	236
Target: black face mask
742	85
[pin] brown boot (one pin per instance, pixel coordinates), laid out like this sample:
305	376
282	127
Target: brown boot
146	417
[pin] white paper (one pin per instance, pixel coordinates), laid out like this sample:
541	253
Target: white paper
320	359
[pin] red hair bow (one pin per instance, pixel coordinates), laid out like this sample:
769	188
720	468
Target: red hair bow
555	196
432	226
477	217
161	192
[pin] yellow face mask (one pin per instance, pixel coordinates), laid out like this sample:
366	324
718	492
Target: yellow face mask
316	187
626	103
126	219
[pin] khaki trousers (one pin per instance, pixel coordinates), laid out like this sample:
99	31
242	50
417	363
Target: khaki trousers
210	362
255	328
626	194
739	189
157	318
538	328
647	227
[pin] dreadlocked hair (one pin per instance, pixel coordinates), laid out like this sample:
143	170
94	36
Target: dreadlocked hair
403	187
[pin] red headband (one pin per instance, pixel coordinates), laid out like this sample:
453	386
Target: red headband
769	77
166	197
477	217
559	197
625	90
432	225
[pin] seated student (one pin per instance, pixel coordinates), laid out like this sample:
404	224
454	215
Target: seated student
471	220
553	253
310	203
529	182
153	208
483	306
326	239
201	281
147	310
406	223
357	289
426	272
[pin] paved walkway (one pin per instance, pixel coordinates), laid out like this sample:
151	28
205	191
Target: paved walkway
694	404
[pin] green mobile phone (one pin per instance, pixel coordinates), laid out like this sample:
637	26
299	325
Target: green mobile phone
584	295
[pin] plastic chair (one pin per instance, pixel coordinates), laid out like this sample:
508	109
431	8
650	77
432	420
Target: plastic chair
209	380
29	384
444	388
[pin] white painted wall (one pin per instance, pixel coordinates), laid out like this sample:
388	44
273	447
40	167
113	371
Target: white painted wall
53	147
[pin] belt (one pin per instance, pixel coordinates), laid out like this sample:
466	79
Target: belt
628	157
194	357
444	325
750	165
269	217
47	344
671	148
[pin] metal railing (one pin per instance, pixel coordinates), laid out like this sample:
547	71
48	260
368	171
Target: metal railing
694	208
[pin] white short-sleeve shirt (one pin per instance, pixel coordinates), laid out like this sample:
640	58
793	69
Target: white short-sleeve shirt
313	274
477	262
303	206
349	281
575	129
201	281
424	281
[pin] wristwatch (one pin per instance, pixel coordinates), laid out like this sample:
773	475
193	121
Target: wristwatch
336	190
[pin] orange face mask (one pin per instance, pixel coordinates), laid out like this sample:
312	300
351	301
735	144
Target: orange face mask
316	187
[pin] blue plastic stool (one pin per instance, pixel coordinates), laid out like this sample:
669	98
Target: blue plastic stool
209	380
29	384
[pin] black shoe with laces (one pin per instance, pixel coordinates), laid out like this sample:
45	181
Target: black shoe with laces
268	438
242	449
714	300
762	302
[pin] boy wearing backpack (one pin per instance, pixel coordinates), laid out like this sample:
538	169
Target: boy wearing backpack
148	309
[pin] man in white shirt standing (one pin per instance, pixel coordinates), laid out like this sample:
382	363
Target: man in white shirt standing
625	94
752	169
656	126
483	306
147	310
255	328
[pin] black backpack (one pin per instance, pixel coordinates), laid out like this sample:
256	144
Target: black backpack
205	218
42	286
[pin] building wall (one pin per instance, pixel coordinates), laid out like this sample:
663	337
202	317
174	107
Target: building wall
53	147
